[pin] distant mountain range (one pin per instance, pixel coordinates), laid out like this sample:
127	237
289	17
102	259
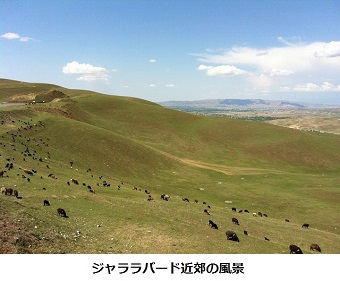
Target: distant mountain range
242	104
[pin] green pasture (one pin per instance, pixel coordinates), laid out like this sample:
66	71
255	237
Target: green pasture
285	173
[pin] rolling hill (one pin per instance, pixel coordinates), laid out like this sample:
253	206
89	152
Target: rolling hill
107	141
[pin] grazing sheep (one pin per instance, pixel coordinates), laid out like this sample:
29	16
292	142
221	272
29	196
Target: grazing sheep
29	172
245	232
61	212
265	215
46	203
3	190
267	239
246	211
206	211
165	197
196	201
305	225
16	193
213	225
75	181
287	220
150	198
233	209
254	214
231	235
147	191
315	247
185	200
295	249
235	221
8	191
260	214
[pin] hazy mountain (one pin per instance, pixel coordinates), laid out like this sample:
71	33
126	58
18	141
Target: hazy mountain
240	103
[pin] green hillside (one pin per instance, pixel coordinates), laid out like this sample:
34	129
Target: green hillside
103	140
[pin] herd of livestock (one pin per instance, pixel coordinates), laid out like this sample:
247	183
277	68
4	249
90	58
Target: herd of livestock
21	142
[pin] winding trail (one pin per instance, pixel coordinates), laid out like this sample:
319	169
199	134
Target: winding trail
227	170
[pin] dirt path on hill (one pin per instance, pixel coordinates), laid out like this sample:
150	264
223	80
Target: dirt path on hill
227	170
11	104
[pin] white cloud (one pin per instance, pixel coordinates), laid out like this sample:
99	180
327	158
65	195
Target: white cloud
204	67
76	68
15	36
295	58
280	72
312	87
170	85
10	36
260	83
91	77
87	71
290	43
284	89
152	60
26	39
261	53
152	86
275	68
309	87
328	86
221	70
329	50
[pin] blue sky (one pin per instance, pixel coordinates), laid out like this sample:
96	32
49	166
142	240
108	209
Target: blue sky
176	50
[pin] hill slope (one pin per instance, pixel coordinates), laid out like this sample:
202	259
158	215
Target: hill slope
109	141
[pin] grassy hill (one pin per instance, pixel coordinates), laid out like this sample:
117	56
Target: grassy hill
101	139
